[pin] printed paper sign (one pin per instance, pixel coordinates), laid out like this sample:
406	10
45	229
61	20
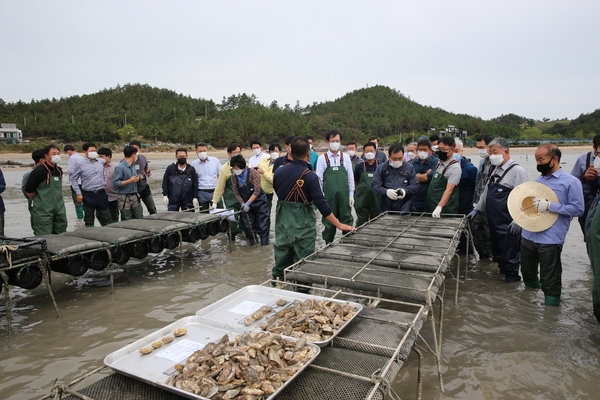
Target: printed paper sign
180	350
246	307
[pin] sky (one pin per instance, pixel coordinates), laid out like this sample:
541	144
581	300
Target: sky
538	59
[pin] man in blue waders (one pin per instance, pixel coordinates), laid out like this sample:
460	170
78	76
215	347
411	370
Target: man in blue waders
366	201
505	234
425	165
334	170
442	195
297	189
44	188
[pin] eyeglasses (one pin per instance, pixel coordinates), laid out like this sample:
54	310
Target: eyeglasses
443	150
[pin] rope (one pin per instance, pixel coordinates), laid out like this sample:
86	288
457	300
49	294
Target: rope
59	387
7	299
43	262
110	271
384	385
7	248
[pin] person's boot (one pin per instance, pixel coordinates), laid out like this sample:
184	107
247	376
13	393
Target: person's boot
264	240
552	301
533	284
251	241
510	278
79	212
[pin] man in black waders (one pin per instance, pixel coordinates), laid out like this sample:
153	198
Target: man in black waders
297	189
505	234
367	202
442	195
44	188
334	170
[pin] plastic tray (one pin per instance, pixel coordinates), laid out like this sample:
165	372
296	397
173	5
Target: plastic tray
156	368
230	311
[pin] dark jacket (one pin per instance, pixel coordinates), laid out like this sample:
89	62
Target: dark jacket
387	177
420	168
2	188
181	187
468	180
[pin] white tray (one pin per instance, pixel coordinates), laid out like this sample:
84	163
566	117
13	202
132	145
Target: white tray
155	369
230	311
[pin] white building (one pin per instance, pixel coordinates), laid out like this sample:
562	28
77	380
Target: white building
10	133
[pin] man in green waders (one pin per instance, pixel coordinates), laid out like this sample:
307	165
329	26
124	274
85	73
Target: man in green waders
224	189
44	188
442	195
334	170
297	189
366	202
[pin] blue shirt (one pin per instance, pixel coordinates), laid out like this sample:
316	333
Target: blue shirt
90	173
124	171
570	204
208	172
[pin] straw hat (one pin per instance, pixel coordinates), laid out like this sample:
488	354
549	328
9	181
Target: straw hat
524	213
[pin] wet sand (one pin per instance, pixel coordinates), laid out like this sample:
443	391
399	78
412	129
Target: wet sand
500	342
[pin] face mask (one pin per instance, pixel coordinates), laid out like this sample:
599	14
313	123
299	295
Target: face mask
483	153
434	148
334	146
257	152
456	156
311	146
423	155
411	155
496	159
274	156
101	161
442	155
182	161
56	159
351	153
238	172
203	155
597	164
92	155
545	168
395	164
369	156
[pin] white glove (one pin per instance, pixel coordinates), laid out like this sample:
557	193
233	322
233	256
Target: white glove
166	200
392	194
542	205
351	201
195	203
402	193
213	206
437	212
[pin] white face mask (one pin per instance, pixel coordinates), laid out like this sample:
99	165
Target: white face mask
434	148
56	159
423	155
483	153
411	155
369	156
311	146
597	164
496	159
274	155
351	153
92	155
257	151
203	155
334	146
395	164
237	171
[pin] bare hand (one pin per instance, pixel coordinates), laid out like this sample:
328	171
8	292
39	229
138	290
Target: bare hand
134	178
79	198
590	173
148	173
260	171
428	171
346	228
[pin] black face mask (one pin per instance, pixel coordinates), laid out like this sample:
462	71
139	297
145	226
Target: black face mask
544	168
182	161
442	155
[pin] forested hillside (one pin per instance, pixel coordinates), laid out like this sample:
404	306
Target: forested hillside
134	110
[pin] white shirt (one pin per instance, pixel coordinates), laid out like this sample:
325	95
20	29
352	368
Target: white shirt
255	160
208	172
334	161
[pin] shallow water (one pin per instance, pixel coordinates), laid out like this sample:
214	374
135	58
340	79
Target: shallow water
499	342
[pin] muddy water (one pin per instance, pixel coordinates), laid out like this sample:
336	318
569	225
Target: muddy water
499	342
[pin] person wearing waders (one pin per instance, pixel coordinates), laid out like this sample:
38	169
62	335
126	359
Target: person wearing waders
543	248
442	195
351	148
505	234
90	172
224	190
586	170
366	201
425	164
38	158
297	189
180	184
125	182
395	181
143	171
380	155
479	223
74	158
334	170
44	188
247	189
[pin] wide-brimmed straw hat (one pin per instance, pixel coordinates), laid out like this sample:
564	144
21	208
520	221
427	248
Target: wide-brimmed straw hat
524	213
